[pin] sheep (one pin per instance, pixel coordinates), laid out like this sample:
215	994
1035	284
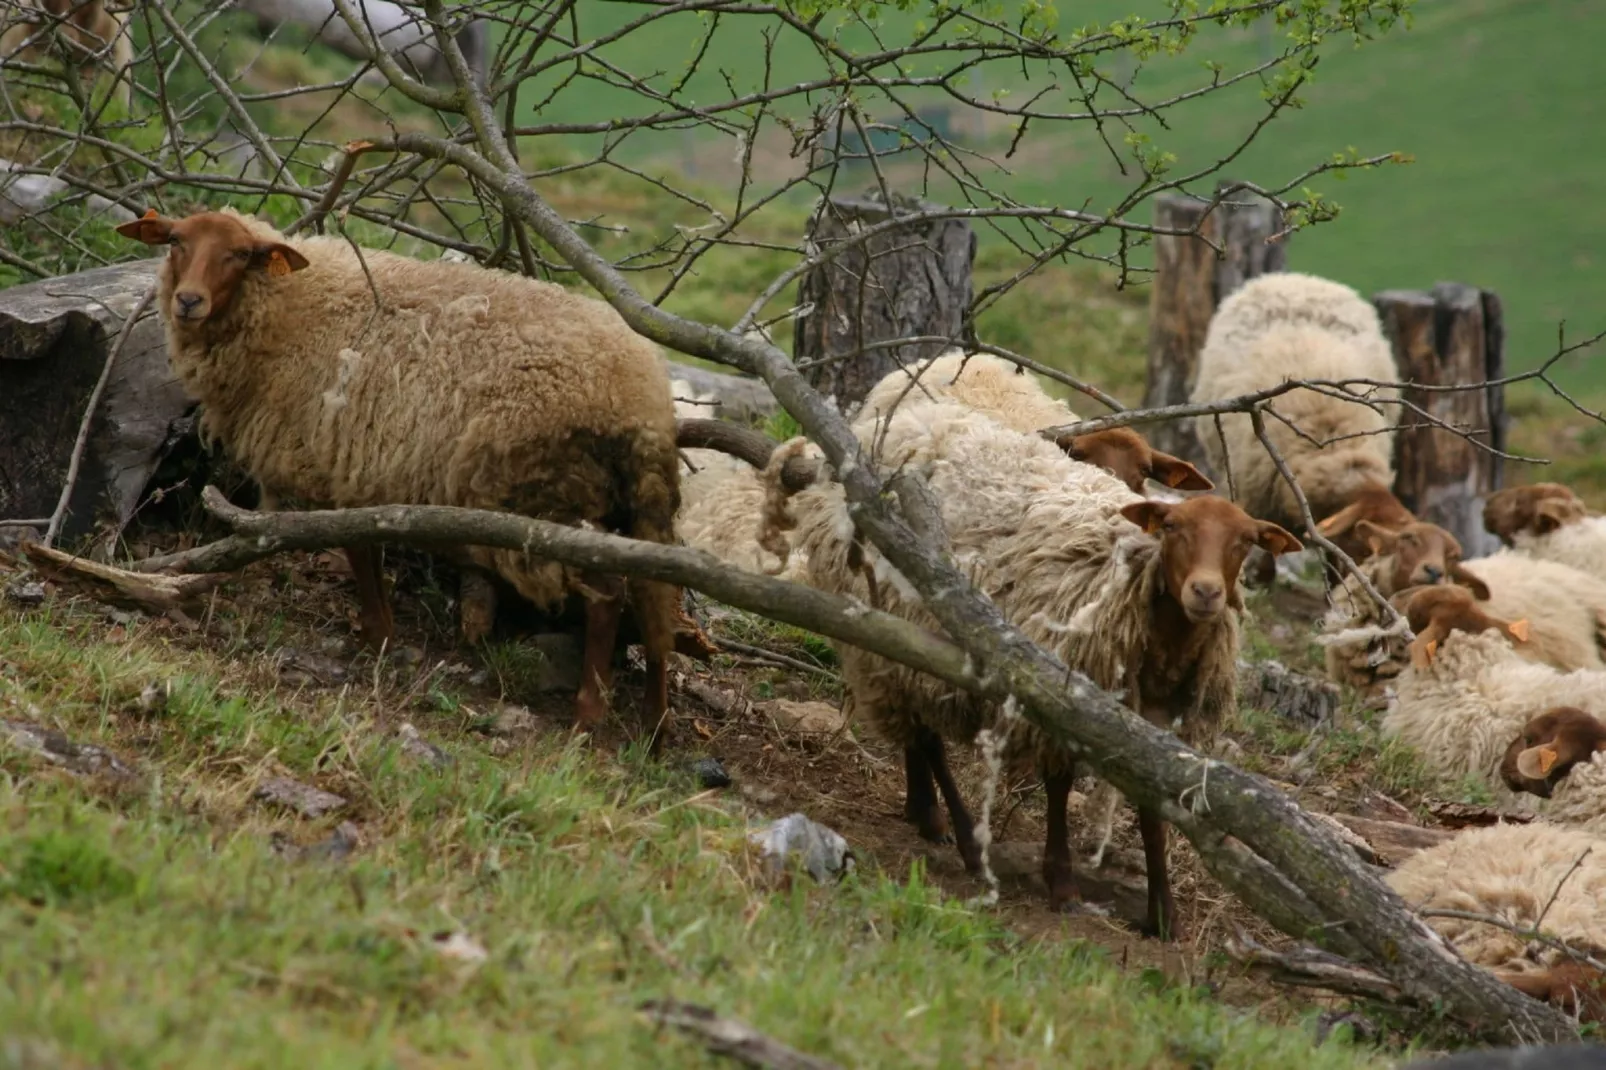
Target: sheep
1566	607
356	378
1548	522
1467	690
1527	876
1560	757
1286	326
87	28
1008	393
1140	595
1374	506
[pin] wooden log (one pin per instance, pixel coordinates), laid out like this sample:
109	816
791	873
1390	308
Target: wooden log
1392	841
54	339
1446	337
906	281
1190	281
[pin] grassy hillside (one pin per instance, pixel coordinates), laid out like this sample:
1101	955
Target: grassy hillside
1495	99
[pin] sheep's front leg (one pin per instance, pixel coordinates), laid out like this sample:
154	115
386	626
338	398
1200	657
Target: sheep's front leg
378	627
604	607
964	830
920	806
1058	873
1162	919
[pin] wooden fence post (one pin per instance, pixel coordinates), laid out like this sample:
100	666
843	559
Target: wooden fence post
1453	334
904	282
1190	281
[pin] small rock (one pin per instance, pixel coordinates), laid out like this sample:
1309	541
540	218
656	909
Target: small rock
344	840
511	720
710	773
759	794
1272	686
813	717
298	668
459	946
12	536
1015	859
85	759
153	697
406	655
825	853
414	745
307	801
479	678
561	658
26	594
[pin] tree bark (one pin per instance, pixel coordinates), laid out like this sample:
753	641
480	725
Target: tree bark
1190	281
1445	338
55	336
904	282
402	33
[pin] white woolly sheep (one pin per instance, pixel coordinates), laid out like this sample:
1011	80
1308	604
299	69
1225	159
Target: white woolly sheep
1527	876
1549	522
1565	608
354	379
1467	690
1286	326
94	33
1560	756
1140	595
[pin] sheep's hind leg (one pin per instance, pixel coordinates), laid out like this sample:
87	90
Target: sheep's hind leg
964	829
1162	919
1058	871
604	607
920	806
378	627
656	612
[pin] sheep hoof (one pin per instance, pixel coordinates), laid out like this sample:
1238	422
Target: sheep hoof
1063	897
930	824
692	642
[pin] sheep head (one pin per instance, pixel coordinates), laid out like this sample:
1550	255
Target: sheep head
1377	506
208	255
1537	509
1548	748
1128	456
1434	611
1203	543
1423	553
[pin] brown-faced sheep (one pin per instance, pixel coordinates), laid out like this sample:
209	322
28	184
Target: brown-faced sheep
1287	326
1375	507
1560	756
1142	596
354	379
1549	522
1468	689
95	33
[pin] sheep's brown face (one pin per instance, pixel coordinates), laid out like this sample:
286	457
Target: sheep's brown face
1537	509
1127	456
1378	507
1424	554
1548	748
1433	612
208	254
1203	543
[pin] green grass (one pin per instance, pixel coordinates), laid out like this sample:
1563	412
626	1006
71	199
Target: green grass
154	926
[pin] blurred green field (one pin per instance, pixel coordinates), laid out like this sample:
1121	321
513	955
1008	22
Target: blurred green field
1498	101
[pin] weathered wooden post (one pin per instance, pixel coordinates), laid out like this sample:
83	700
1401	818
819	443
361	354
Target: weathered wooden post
1190	281
906	281
1451	335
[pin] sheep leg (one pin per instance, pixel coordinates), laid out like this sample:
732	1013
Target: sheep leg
1162	920
920	806
1057	866
657	607
378	627
964	829
604	608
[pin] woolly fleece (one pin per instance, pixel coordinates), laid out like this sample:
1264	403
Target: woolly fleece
986	383
1565	608
1581	545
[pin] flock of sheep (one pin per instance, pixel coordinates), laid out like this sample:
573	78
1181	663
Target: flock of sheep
341	380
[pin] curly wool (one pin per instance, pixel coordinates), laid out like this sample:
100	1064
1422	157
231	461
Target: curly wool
1293	326
1511	872
1042	537
981	381
1473	699
465	386
1565	608
1357	649
1580	545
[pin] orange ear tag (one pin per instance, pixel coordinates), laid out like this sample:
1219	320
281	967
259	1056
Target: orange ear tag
150	213
278	266
1519	630
1547	759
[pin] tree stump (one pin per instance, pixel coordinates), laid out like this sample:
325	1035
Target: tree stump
904	282
1452	335
55	336
1190	281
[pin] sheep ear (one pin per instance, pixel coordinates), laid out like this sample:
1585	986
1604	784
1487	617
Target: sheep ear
278	258
1548	517
1479	589
1518	630
1176	473
1340	521
1381	540
1274	540
1147	515
149	228
1535	763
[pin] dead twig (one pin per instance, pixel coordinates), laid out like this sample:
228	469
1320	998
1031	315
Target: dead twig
731	1038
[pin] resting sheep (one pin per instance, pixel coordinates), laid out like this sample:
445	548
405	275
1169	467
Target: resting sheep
1140	595
354	380
1467	690
1286	326
88	29
1560	756
1548	521
1526	876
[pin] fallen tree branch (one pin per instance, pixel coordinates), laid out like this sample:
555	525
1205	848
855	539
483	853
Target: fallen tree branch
732	1038
154	594
1309	967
